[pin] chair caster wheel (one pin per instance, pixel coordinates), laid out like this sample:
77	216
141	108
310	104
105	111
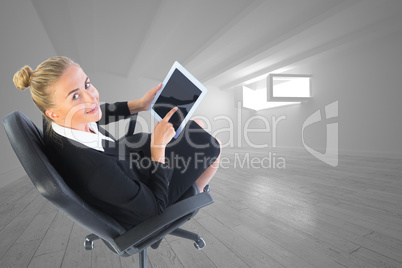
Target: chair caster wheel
199	244
89	245
207	188
89	241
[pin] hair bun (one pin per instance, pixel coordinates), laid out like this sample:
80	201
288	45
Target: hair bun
22	78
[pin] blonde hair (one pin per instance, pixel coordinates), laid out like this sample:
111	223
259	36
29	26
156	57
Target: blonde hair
41	80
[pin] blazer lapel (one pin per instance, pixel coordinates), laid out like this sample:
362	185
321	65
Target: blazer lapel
110	147
105	132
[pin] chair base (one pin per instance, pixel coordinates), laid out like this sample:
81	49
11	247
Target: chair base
199	243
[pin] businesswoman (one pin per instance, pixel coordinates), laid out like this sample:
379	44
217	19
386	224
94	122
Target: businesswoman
131	178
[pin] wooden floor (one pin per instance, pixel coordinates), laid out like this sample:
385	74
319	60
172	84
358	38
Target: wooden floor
296	212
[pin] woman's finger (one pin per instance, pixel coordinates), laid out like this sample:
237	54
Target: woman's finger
170	114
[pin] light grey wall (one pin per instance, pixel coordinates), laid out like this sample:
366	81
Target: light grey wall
365	79
25	42
22	41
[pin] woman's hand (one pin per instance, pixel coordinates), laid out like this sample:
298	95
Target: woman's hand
163	133
149	96
142	104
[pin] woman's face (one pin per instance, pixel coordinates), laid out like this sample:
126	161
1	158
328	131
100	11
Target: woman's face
76	100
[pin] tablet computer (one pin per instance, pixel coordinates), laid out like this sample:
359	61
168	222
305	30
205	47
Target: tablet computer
181	89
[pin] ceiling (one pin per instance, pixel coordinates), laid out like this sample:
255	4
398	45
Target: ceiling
224	43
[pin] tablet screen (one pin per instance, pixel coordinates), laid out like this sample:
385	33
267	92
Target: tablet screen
179	91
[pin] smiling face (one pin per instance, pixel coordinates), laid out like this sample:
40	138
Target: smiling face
76	100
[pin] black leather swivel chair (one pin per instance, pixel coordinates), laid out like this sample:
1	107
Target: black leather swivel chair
26	140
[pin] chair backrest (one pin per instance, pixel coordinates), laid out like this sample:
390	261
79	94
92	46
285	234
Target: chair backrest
27	142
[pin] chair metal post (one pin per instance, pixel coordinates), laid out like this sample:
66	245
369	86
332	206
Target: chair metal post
143	258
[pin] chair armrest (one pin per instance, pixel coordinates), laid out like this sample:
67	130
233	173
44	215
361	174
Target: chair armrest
159	225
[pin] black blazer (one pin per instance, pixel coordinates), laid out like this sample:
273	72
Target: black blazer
106	181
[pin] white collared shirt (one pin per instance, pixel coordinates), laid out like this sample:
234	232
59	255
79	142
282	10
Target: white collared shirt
91	140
